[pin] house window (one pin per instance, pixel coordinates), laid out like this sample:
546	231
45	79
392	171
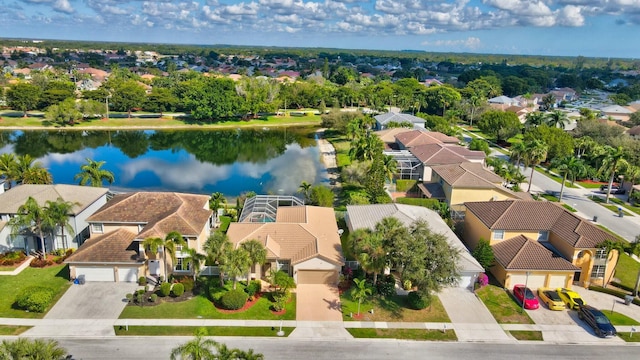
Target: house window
543	235
601	254
97	228
498	234
597	271
182	265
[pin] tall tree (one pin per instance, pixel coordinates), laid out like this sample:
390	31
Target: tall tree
216	247
567	167
257	255
536	153
33	218
196	349
236	263
8	164
195	260
612	159
499	124
23	97
390	166
484	254
170	246
305	189
517	151
371	254
92	173
60	212
29	171
534	119
216	201
557	119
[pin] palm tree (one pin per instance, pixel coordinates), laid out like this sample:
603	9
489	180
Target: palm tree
196	349
534	119
217	199
153	244
305	189
195	260
518	150
372	255
8	164
216	247
557	118
23	348
93	174
249	355
257	255
613	158
536	153
171	241
609	246
236	263
29	171
568	166
361	291
632	174
34	218
60	211
390	166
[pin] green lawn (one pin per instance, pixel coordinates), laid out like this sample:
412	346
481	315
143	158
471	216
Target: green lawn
555	178
201	307
7	268
590	184
611	207
224	223
629	337
627	270
10	330
635	209
619	319
191	330
502	306
55	277
407	334
549	197
527	335
392	309
569	208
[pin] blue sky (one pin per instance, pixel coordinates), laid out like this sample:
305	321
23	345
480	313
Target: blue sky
603	28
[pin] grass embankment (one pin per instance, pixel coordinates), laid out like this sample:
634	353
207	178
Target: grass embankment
394	308
502	306
191	330
406	334
54	277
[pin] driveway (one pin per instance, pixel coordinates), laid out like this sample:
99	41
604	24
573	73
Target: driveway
95	300
318	302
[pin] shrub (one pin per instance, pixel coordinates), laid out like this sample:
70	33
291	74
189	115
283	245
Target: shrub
483	280
253	288
188	283
234	299
417	301
387	286
40	263
35	298
129	297
140	299
165	289
12	258
153	297
142	281
407	285
177	289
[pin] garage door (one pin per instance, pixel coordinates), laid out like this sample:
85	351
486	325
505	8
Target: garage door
317	277
465	281
95	273
557	281
128	274
534	281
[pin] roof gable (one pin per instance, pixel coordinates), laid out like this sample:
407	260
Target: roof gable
522	253
80	196
114	247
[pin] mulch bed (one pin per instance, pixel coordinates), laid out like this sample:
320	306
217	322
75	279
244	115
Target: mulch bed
282	312
246	306
187	295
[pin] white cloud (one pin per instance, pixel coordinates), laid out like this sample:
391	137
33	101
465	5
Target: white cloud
63	6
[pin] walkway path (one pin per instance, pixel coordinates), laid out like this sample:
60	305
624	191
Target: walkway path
19	269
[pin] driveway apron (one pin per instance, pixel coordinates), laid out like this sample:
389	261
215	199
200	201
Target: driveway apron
318	313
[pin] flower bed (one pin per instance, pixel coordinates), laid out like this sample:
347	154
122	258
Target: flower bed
246	306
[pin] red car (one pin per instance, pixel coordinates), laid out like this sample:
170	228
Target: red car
525	295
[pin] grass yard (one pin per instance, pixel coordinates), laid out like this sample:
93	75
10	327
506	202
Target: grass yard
502	306
191	330
635	209
629	337
200	307
392	309
619	319
527	335
569	208
555	178
55	277
627	270
406	334
11	330
7	268
224	223
601	201
549	197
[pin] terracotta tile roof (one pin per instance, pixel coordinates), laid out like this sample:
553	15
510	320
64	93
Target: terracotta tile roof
468	175
421	137
522	253
300	233
432	190
514	215
117	246
81	196
440	154
159	212
389	135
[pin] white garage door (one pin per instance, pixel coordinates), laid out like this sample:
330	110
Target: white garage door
557	281
534	281
465	281
128	274
95	273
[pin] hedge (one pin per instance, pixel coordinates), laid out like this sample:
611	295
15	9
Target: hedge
428	203
177	289
417	301
234	299
405	185
614	292
35	298
165	289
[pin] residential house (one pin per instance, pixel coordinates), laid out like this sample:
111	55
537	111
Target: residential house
616	112
388	136
406	140
383	119
634	132
85	199
540	243
303	241
115	251
457	184
367	216
431	155
502	102
564	94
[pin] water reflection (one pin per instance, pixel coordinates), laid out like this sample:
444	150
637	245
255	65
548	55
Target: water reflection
230	161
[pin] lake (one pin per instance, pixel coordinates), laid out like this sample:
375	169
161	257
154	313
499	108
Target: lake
269	160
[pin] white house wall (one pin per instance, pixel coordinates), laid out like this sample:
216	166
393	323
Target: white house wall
314	264
79	222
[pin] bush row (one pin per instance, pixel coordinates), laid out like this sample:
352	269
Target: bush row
11	258
35	298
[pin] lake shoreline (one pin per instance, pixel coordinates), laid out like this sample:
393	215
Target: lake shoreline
157	127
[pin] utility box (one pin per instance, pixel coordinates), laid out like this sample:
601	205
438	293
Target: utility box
628	299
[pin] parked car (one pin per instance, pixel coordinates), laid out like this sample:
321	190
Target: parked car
597	320
525	296
615	189
571	298
551	298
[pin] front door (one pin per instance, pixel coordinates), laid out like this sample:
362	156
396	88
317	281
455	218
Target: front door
154	267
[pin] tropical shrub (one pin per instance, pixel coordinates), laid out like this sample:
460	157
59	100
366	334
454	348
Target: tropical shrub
40	263
153	297
407	285
253	287
35	298
12	258
129	297
188	283
165	289
417	301
142	281
387	287
234	299
177	289
483	280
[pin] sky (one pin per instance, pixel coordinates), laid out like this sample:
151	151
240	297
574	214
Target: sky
594	28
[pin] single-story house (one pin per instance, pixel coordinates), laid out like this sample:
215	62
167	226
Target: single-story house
85	199
303	241
115	251
383	119
540	243
367	216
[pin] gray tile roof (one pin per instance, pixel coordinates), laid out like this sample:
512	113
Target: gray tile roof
398	117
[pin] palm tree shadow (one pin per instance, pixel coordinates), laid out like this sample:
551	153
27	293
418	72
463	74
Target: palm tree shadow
392	305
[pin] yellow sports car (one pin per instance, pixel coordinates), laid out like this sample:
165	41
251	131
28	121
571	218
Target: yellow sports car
571	298
551	298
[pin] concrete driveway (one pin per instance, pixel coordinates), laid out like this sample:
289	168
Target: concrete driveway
318	302
95	300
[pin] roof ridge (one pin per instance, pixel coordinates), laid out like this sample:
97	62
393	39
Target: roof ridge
520	249
505	212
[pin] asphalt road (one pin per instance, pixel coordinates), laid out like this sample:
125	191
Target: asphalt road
369	349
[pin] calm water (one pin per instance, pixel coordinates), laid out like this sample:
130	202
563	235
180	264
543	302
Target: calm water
229	161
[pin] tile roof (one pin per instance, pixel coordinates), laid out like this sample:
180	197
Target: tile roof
398	117
117	246
81	196
299	233
389	135
432	190
523	215
468	175
421	137
160	212
522	253
440	154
